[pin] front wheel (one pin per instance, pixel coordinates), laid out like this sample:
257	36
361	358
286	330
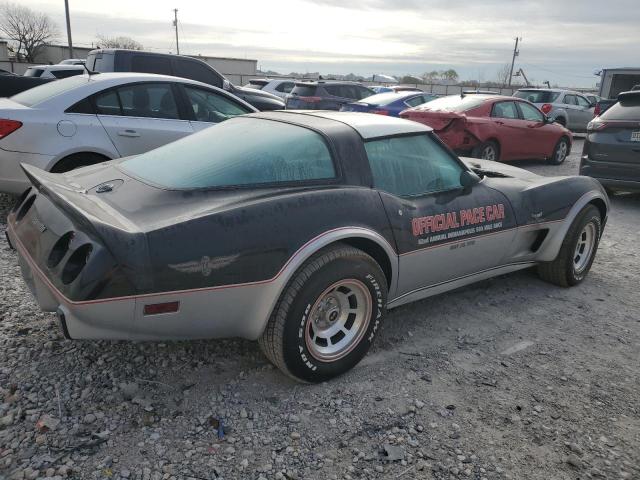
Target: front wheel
577	252
328	315
560	152
487	151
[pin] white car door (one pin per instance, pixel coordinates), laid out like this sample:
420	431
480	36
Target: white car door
141	117
209	107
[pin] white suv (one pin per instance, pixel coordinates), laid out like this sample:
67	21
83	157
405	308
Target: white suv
280	86
566	107
54	71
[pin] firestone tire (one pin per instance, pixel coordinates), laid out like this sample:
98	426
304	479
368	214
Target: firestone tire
577	252
488	150
340	289
560	152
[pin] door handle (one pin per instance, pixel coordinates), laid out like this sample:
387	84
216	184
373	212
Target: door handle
128	133
499	122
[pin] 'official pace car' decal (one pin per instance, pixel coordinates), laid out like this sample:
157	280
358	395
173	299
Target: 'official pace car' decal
457	224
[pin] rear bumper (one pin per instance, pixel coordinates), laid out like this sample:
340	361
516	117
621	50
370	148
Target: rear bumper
12	178
613	178
219	312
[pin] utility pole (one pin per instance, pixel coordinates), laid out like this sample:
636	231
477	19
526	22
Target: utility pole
175	24
513	60
66	11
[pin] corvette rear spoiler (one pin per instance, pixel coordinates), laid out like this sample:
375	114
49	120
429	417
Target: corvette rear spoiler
76	201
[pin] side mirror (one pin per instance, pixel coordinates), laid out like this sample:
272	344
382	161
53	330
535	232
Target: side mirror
226	85
469	179
548	120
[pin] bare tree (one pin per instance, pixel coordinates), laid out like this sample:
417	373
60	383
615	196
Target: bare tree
28	29
502	75
119	42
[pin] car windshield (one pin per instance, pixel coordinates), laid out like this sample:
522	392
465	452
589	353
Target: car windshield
384	98
237	152
537	96
39	94
455	103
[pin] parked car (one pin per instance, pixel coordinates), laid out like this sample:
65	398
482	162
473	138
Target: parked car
390	103
594	99
394	88
280	87
570	109
73	61
494	127
295	229
611	151
54	71
85	120
120	60
325	95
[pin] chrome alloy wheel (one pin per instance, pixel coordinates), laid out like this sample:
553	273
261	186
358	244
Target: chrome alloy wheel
584	247
488	153
561	153
338	320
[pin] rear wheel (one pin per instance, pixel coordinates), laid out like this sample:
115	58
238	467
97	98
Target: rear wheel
77	160
577	252
487	151
328	316
560	152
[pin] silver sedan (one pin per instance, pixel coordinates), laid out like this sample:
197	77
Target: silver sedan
84	120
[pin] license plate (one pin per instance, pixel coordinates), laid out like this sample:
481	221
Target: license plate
635	136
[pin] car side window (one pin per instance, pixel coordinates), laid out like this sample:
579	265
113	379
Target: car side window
66	73
412	165
415	101
569	100
151	64
155	100
583	102
530	113
194	70
209	106
107	103
504	110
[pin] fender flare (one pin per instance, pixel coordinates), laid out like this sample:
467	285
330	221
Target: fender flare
310	248
552	245
98	151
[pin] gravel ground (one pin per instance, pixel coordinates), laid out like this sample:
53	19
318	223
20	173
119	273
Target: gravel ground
508	378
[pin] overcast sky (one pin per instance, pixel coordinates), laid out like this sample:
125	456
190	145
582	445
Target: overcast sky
564	41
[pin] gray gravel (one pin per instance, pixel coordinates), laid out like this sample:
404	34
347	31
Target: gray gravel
508	378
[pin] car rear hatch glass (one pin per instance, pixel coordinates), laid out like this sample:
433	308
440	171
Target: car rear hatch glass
615	135
303	97
537	96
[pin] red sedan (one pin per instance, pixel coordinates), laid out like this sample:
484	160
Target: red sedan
494	127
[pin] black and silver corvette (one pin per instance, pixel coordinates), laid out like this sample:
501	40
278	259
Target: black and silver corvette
295	229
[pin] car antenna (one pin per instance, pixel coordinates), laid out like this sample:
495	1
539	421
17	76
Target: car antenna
90	72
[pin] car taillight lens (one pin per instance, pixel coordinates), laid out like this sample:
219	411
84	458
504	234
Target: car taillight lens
546	108
596	110
310	99
8	126
596	125
380	112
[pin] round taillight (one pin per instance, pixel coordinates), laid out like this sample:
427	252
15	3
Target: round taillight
76	263
60	249
25	208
